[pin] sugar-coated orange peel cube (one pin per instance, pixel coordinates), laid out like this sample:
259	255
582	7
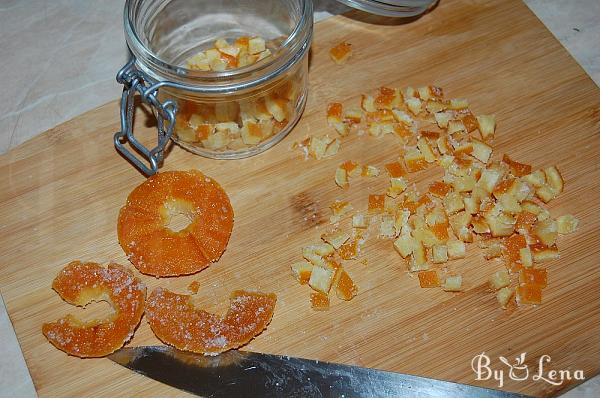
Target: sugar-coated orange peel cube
529	294
534	276
376	203
386	98
345	288
546	231
322	277
429	279
430	135
203	131
504	296
470	122
351	168
302	271
453	283
350	249
339	209
517	169
369	171
341	52
334	111
193	287
499	279
440	231
319	301
513	244
440	188
503	186
379	116
396	170
542	253
402	130
487	126
415	160
525	221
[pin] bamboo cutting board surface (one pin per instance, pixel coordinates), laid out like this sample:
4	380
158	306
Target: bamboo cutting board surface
61	193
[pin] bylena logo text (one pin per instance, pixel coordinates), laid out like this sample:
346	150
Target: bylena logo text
520	371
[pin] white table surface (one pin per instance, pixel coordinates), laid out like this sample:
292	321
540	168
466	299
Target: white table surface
59	59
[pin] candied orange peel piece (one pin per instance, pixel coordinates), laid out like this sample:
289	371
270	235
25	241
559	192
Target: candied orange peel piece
470	122
376	203
440	231
428	279
302	271
525	221
396	170
176	321
517	169
193	287
431	135
341	53
81	283
319	301
402	130
503	186
345	288
339	209
350	166
440	188
529	294
156	249
534	276
334	110
379	116
386	98
350	249
513	244
414	165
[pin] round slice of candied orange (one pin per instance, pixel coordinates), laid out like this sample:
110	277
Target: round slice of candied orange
176	321
144	223
81	283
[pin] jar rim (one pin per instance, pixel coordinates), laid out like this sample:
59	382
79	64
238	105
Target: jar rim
164	73
391	8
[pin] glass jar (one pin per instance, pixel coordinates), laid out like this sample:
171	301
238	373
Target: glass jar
391	8
226	114
223	113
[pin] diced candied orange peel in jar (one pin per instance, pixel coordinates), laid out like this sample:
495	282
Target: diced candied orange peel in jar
237	124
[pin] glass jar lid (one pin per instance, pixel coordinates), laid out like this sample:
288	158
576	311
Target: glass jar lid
391	8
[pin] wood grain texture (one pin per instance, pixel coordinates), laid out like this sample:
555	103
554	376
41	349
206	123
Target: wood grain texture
61	192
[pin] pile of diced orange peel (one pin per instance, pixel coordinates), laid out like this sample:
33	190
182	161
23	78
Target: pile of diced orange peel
497	204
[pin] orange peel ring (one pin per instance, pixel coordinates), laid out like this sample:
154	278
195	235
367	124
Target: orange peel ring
175	321
157	250
79	284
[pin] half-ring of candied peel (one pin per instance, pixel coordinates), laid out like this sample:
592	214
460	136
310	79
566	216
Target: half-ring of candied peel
144	223
81	283
176	321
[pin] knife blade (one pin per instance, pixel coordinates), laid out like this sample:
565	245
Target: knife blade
248	374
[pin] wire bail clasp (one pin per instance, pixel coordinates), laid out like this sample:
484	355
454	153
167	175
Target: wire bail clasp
135	81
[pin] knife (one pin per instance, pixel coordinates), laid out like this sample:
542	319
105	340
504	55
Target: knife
249	374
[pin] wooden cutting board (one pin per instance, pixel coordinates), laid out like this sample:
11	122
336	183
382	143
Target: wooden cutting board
61	192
